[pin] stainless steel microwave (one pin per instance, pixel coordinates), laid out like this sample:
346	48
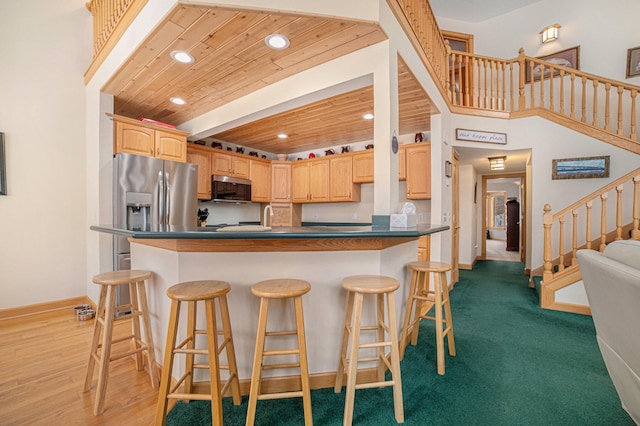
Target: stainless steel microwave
230	189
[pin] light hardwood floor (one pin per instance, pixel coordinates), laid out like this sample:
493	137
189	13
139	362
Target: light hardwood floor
43	362
497	250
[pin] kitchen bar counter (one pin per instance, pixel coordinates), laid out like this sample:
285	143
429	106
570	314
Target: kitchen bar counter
321	255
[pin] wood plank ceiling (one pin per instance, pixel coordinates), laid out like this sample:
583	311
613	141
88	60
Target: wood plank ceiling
232	60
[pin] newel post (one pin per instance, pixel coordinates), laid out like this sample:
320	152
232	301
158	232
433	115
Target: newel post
547	221
448	75
521	78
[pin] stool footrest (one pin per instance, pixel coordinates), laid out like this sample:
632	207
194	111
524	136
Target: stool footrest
281	352
374	345
274	366
190	396
375	384
279	395
191	351
281	333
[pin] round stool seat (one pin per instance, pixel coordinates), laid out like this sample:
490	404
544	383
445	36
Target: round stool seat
121	277
425	266
282	288
198	290
370	284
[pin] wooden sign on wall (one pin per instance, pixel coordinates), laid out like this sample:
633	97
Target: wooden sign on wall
480	136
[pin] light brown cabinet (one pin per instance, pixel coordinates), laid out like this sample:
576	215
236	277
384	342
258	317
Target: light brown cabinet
341	185
202	157
418	171
260	175
363	166
310	181
402	162
230	165
280	182
135	137
424	248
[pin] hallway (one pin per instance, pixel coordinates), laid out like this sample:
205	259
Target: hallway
496	250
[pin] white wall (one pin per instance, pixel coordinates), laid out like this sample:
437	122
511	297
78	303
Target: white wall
45	50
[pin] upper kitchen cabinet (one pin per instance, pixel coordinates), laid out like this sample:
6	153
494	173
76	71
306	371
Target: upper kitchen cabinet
136	137
230	164
201	156
363	166
260	175
280	182
310	181
341	185
402	162
418	171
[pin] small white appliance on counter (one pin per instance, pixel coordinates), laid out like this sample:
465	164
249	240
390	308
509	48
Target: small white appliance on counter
150	194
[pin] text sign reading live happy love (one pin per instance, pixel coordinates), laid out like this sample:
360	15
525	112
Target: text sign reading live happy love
478	136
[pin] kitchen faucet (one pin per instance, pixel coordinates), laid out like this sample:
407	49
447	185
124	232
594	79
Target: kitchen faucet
264	218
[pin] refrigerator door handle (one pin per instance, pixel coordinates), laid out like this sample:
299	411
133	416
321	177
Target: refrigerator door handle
167	193
161	206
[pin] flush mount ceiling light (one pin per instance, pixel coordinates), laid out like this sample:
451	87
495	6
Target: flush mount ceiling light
550	33
283	135
497	163
178	101
368	116
182	57
277	41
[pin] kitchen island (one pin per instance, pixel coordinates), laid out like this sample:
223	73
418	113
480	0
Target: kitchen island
322	255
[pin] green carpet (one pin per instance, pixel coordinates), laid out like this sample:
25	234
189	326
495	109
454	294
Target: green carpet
516	364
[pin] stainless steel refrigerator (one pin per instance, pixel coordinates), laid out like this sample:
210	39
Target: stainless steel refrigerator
150	194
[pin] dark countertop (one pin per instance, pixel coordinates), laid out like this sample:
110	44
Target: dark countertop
280	232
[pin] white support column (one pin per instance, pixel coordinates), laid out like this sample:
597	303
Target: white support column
385	101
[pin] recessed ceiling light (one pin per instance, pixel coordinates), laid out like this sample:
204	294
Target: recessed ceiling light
178	101
368	116
283	135
277	41
182	57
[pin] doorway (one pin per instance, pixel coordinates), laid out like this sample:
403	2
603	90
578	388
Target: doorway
503	217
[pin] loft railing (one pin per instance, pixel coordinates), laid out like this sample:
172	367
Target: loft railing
419	23
480	85
525	86
110	19
613	221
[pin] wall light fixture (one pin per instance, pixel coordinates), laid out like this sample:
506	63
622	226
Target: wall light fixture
550	33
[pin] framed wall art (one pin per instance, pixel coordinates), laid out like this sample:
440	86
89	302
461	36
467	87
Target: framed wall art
569	58
3	174
580	168
633	62
481	136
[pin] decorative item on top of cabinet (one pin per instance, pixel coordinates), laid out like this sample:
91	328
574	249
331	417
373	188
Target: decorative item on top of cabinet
418	171
152	140
260	175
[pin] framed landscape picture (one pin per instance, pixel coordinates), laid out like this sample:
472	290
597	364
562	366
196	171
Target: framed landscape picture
633	62
580	168
569	58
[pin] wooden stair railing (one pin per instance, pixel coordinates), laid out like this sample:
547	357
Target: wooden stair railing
560	258
594	105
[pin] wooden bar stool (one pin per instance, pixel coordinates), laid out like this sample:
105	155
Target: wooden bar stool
105	319
423	298
280	289
357	287
191	292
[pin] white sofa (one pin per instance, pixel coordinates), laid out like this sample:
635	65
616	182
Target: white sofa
612	282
